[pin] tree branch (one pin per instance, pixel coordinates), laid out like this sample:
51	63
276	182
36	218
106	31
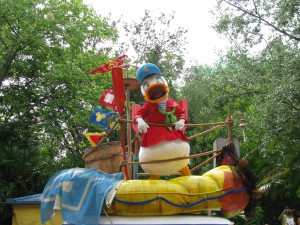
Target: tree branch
258	16
5	67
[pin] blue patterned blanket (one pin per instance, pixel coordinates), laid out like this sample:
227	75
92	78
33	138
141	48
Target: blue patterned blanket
79	193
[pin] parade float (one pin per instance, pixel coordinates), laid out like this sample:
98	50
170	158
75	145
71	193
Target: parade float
112	190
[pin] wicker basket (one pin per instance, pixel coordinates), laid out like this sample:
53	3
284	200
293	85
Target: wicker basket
106	157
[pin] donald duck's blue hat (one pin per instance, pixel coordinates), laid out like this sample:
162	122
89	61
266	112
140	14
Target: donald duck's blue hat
146	70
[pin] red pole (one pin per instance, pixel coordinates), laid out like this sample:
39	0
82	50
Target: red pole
118	84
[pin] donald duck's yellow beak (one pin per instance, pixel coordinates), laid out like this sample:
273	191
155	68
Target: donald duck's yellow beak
156	92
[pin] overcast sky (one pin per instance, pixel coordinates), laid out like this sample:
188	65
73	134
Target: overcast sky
192	15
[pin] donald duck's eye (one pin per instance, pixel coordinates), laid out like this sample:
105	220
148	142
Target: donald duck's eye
145	85
159	80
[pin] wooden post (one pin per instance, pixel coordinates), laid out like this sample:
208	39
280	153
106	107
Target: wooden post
128	110
229	124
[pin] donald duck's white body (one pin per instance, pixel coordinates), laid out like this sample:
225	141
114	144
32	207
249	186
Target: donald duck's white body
165	150
160	142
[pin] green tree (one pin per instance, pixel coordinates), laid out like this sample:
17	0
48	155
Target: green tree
264	93
46	93
259	78
154	40
249	23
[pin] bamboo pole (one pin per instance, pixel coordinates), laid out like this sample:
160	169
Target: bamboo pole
229	124
129	146
173	159
186	125
205	132
205	162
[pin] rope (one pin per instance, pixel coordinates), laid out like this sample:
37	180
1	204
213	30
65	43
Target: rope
186	125
108	217
109	132
206	161
205	132
174	159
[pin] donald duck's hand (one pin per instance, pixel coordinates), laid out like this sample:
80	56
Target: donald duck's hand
142	125
179	125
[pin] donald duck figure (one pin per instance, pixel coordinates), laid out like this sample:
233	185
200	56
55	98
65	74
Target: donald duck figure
160	142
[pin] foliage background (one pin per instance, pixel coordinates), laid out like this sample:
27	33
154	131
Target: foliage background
47	95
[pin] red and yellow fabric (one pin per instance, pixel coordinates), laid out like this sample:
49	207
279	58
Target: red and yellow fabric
94	138
109	65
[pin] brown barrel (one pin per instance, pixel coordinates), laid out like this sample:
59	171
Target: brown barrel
106	157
